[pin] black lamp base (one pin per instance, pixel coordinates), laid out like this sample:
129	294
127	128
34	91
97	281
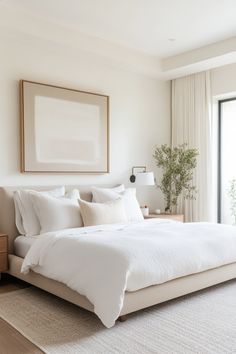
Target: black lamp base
132	178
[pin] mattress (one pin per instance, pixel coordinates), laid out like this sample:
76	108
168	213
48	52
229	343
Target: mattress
22	245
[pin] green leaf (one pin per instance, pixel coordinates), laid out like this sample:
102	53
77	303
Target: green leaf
177	166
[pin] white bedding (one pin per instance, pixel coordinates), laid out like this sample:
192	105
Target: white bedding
22	245
102	262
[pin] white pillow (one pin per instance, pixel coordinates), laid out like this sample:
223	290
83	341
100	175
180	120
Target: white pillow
131	204
73	194
112	212
25	216
96	192
56	213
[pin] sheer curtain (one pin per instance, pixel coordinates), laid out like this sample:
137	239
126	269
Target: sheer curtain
191	124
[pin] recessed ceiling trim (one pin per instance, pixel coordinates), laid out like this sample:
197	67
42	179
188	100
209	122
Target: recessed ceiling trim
120	56
207	57
198	55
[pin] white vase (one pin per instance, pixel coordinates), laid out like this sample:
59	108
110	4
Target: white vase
145	211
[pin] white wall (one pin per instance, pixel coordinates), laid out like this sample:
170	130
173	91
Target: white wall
139	108
224	80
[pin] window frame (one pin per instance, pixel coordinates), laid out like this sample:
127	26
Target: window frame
219	165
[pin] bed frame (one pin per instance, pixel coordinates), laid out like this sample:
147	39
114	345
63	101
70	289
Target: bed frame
133	301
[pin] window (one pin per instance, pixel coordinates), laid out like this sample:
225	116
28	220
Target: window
227	157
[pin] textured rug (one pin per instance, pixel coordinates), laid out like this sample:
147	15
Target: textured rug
204	322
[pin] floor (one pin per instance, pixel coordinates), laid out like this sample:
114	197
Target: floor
12	342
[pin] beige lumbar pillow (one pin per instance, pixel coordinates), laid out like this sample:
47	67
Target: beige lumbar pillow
112	212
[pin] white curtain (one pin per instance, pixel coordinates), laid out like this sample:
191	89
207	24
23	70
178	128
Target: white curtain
191	124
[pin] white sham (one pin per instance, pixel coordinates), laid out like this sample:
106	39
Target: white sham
133	211
56	213
25	217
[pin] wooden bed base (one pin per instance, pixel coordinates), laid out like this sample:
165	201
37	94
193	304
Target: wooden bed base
133	301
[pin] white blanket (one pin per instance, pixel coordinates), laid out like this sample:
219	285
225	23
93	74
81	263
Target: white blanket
103	262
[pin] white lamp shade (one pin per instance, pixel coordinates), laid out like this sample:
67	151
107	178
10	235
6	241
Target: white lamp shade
145	179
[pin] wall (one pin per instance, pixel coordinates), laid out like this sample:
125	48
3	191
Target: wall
224	80
139	108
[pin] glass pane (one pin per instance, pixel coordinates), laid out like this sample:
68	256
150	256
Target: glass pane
228	159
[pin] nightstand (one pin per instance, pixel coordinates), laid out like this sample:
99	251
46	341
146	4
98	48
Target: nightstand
3	253
176	217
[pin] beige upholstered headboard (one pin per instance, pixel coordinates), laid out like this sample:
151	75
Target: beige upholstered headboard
7	209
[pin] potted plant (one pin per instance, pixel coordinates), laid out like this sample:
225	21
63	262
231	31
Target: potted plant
177	164
232	196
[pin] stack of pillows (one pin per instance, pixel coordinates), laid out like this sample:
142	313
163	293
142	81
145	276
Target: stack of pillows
41	212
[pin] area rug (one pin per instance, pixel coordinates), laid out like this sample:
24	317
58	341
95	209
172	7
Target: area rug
204	322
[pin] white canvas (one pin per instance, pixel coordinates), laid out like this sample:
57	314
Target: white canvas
63	130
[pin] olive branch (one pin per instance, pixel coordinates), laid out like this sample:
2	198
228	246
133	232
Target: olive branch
177	164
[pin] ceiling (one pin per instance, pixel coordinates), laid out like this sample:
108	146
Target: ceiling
158	27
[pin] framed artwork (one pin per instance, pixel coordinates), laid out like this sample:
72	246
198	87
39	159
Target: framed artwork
63	130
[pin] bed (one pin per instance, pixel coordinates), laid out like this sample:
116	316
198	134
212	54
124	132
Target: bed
133	300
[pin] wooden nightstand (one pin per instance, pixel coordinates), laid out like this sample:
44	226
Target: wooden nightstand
3	253
176	217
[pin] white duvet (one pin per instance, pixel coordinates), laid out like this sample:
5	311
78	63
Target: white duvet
103	262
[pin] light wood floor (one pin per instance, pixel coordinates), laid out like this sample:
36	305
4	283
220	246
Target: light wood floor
11	341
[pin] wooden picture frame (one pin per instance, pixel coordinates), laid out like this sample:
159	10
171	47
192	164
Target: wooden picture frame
63	130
